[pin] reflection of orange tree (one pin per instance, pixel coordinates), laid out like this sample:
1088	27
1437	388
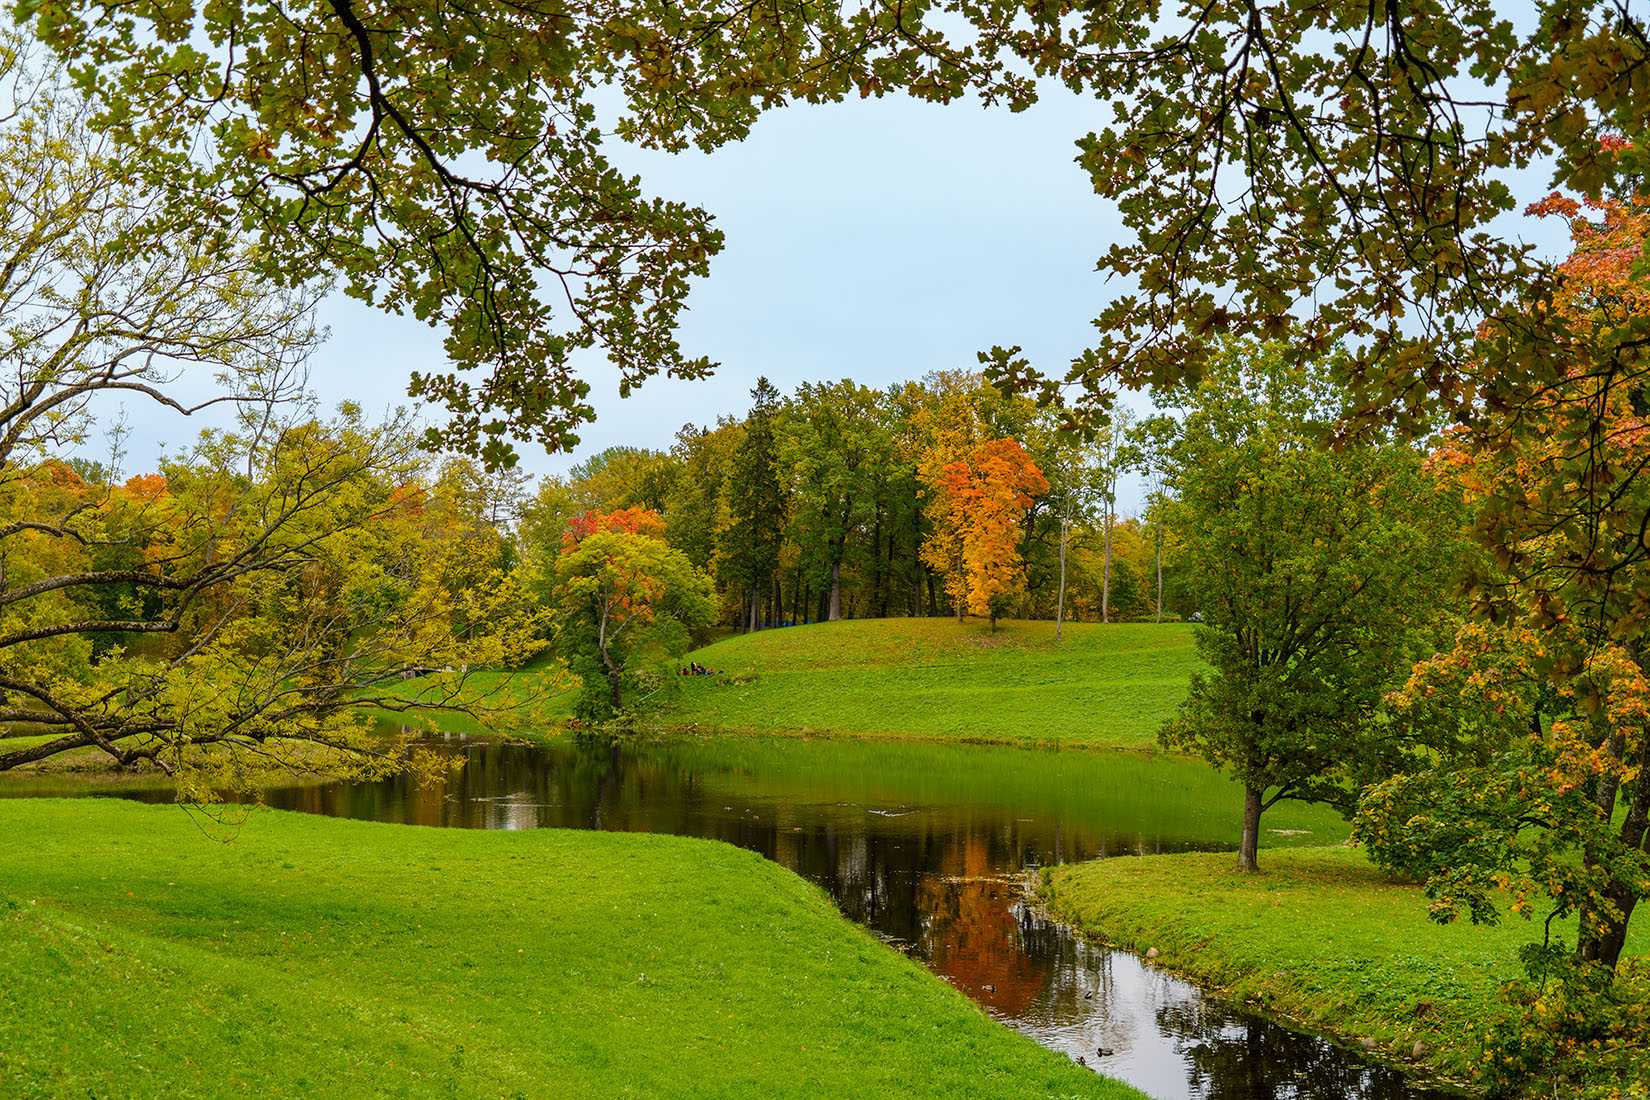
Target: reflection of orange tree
972	937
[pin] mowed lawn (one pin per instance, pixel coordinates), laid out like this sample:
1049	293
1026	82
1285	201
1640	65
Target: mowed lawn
1102	685
309	957
1320	935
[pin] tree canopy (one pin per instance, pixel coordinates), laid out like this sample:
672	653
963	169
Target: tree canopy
623	597
1319	575
1328	169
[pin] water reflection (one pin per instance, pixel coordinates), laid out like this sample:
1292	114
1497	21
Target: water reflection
927	847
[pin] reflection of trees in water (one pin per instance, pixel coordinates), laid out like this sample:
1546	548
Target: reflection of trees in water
970	934
1233	1056
930	879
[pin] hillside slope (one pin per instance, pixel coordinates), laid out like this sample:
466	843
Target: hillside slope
322	958
1103	685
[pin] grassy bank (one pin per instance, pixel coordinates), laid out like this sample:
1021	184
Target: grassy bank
1319	936
314	957
1104	685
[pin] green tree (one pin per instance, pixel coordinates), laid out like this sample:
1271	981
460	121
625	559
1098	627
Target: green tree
624	477
449	162
622	597
696	499
757	509
1355	157
1318	573
835	446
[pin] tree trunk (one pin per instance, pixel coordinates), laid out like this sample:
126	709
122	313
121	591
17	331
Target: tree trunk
878	572
755	617
1606	948
1159	570
1251	829
835	612
933	603
1060	602
612	676
1105	577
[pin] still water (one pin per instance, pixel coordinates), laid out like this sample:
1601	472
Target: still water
928	846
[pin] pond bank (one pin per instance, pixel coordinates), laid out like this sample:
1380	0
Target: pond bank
327	957
1319	936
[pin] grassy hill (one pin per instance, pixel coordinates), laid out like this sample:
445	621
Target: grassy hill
1103	685
319	958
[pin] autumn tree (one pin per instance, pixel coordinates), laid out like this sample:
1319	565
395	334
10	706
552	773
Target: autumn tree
989	494
622	597
1320	577
468	541
234	610
951	415
1556	473
276	585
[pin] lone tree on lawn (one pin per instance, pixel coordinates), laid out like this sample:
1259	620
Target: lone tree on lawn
1319	575
989	492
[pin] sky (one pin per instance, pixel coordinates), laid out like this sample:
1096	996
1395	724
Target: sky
876	240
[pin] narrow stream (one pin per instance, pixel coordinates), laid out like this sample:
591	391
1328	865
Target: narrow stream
927	846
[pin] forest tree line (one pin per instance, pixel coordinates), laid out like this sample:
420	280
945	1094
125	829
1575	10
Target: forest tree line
831	503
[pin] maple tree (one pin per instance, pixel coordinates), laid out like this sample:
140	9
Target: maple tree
989	493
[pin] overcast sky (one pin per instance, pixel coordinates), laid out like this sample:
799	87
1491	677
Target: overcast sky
875	240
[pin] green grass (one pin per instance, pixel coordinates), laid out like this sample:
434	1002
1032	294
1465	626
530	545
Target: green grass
1318	935
314	957
1104	686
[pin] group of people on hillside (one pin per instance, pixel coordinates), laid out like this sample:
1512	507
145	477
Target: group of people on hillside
694	668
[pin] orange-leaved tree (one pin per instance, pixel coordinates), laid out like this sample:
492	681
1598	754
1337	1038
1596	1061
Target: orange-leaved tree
989	493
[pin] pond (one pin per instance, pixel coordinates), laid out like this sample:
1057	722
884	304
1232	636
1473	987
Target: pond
927	846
